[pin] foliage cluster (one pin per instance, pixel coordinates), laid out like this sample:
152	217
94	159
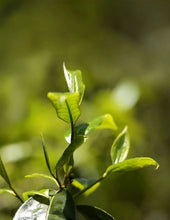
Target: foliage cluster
61	202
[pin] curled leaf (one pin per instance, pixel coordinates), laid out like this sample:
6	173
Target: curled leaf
120	147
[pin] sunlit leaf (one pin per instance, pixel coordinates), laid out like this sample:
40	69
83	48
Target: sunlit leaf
131	164
66	105
42	175
94	213
120	147
84	187
74	82
102	122
3	172
31	209
7	191
68	153
62	207
43	192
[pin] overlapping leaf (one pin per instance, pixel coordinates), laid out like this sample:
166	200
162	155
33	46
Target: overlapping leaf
69	152
42	192
102	122
66	105
120	147
62	207
31	209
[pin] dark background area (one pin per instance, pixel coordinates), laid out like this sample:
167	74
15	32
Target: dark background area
123	51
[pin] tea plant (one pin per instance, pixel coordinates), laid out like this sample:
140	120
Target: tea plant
59	203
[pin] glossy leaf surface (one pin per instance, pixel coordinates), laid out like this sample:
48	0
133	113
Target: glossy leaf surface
62	207
93	213
66	105
74	82
131	164
120	147
31	209
103	122
3	172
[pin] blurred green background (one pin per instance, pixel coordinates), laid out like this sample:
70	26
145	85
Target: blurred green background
123	51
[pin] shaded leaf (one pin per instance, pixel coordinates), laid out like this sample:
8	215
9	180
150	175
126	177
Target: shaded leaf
42	175
31	209
131	164
66	105
93	213
3	172
120	147
102	122
7	191
68	153
62	207
70	209
47	158
74	82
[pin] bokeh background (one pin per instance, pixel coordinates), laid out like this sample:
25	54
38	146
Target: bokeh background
123	51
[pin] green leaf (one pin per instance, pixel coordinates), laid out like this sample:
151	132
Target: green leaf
7	191
131	164
42	175
46	157
31	209
120	147
68	153
62	207
42	192
102	122
83	184
66	105
74	82
94	213
3	172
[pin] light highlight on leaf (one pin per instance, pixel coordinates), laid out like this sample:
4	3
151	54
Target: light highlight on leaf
42	175
66	104
7	191
120	147
74	82
131	164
